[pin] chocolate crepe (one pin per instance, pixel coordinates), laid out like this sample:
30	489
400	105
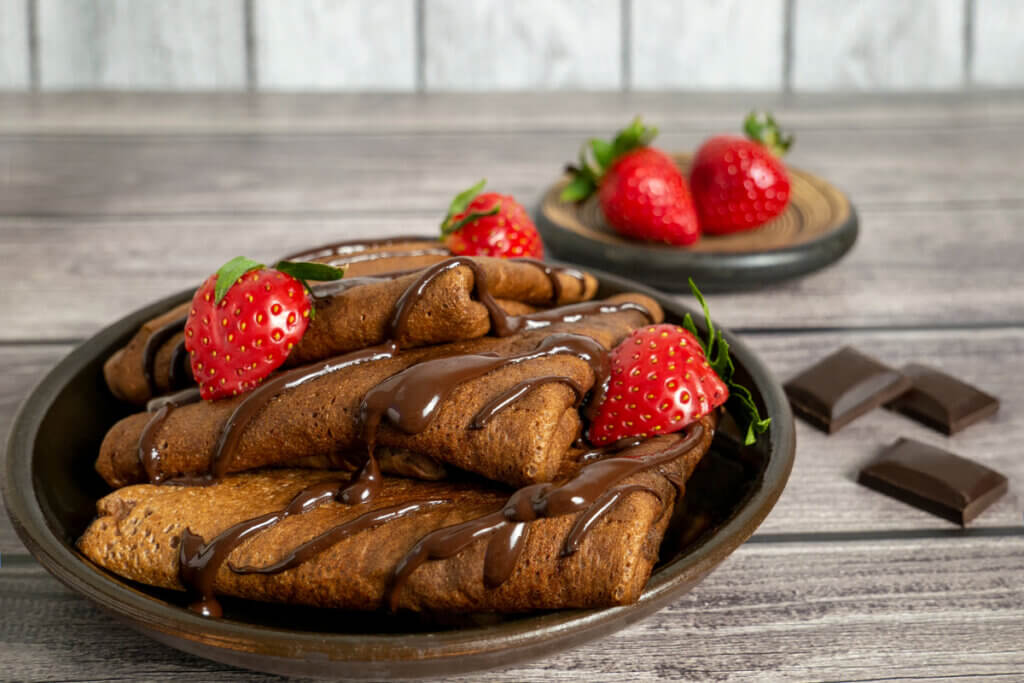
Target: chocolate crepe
141	530
353	317
525	443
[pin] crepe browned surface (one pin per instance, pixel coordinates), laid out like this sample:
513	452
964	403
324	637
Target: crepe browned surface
138	530
358	317
522	444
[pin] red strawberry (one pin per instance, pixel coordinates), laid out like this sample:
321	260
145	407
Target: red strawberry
664	378
660	382
642	191
245	319
490	224
739	184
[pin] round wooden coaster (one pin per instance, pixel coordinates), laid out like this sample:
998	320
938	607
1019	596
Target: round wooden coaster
818	226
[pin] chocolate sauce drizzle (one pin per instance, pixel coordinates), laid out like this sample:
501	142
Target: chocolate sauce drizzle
200	561
159	337
410	399
508	397
593	489
149	454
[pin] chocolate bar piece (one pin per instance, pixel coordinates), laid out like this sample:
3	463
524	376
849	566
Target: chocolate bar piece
934	480
842	387
942	402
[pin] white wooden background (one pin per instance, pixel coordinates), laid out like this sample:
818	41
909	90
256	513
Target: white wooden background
108	202
446	45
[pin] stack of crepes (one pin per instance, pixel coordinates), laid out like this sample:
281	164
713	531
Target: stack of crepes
421	449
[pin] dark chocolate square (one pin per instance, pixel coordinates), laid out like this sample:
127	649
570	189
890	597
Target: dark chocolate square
942	402
934	480
833	392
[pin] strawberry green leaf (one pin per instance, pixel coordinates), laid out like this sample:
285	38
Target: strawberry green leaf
578	189
761	127
603	151
461	203
301	270
449	227
716	349
229	274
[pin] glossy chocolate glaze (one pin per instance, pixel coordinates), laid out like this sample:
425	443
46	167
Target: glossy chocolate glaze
149	454
318	544
410	399
586	490
179	373
601	452
159	337
199	560
516	392
259	397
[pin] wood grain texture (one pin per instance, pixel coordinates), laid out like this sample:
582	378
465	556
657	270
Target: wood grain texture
120	264
327	174
998	58
792	611
582	113
878	45
695	45
335	45
525	45
14	45
180	45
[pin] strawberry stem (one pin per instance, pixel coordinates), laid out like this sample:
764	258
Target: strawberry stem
303	271
460	203
716	350
587	176
761	127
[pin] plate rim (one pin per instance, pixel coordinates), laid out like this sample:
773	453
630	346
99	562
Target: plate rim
421	654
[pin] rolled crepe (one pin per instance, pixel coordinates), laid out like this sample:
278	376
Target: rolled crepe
358	317
523	444
139	528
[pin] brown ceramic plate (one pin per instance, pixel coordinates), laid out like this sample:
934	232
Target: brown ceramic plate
818	226
51	493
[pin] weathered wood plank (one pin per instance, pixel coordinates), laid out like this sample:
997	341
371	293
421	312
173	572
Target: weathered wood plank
672	47
998	48
322	44
466	113
117	265
184	45
14	49
878	44
113	175
818	611
525	45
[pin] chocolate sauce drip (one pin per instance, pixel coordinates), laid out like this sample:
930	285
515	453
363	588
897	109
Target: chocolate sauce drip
318	544
601	452
598	509
516	392
585	490
258	398
149	454
410	399
179	373
153	344
503	551
325	290
199	561
358	246
552	272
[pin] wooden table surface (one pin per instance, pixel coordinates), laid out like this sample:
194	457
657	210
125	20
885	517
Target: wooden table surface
108	202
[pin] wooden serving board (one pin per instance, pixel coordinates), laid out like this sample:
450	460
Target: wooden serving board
818	226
